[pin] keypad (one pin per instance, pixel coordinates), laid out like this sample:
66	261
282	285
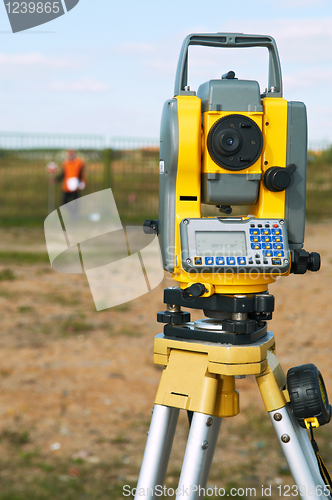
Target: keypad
264	248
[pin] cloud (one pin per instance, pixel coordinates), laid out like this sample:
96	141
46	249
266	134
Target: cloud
37	59
86	85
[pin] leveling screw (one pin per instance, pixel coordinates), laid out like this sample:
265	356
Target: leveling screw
209	422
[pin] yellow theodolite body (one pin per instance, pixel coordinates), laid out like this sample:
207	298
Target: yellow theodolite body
192	172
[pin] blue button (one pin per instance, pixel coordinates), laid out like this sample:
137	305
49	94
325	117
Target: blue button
256	246
241	261
277	232
275	238
278	253
254	231
266	246
198	261
230	261
253	238
220	261
267	253
265	231
209	261
276	245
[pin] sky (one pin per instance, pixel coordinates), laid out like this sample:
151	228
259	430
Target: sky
107	67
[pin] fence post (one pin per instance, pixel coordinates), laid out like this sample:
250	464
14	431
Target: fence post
107	168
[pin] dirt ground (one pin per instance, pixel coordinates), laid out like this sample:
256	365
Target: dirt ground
80	384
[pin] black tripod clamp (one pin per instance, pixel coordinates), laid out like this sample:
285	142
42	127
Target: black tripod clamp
237	314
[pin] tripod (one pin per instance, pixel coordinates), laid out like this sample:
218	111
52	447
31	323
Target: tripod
200	377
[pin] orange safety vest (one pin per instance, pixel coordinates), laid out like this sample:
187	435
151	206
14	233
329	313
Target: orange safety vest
74	173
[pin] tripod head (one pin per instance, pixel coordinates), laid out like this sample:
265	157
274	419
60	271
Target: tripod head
231	145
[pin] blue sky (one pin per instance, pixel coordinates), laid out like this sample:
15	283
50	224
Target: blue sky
106	67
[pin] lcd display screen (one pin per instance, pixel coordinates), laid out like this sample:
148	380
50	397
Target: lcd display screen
221	243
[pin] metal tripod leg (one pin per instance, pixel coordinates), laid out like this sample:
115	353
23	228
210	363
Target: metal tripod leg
198	457
299	454
157	451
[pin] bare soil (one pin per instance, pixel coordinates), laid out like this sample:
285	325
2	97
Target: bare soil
80	384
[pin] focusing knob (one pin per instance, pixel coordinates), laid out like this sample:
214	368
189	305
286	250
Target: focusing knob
278	178
313	261
303	261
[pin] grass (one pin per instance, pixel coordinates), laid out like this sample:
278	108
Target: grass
17	438
319	186
25	309
62	300
30	476
7	275
76	326
14	257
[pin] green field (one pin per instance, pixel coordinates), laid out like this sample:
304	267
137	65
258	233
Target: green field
27	196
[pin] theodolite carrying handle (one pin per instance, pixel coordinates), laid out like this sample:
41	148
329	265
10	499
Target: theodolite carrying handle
233	40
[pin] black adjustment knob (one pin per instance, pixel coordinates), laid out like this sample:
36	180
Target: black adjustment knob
195	290
303	261
313	262
150	227
278	178
225	209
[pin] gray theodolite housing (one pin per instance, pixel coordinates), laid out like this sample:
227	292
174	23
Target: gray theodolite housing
235	96
226	189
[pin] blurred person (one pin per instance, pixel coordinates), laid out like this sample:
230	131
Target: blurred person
73	176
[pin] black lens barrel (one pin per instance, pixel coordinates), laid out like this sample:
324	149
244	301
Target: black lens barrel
235	142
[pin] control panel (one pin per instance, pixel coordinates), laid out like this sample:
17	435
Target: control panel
234	245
